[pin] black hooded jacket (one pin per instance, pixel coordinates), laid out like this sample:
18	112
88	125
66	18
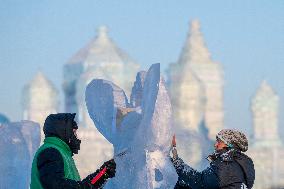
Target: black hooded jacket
61	125
229	169
50	162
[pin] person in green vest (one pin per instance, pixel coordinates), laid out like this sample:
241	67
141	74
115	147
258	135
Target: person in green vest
53	166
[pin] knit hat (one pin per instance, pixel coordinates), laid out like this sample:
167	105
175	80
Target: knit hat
234	139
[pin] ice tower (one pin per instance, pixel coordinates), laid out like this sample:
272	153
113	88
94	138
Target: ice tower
101	58
265	108
199	81
266	148
40	98
196	88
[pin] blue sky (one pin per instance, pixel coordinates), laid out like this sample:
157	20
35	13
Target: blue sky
246	37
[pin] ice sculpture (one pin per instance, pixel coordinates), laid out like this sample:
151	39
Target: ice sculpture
18	142
140	131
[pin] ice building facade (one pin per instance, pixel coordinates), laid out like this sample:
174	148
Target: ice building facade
266	148
195	83
196	87
101	58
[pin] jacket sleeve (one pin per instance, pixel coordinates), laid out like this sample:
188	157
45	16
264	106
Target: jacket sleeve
187	176
51	172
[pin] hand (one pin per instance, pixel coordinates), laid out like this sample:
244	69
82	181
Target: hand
174	152
94	180
111	167
99	178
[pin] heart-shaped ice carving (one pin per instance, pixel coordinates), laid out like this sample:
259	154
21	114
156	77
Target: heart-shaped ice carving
102	100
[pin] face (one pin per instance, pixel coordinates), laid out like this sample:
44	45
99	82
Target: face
219	145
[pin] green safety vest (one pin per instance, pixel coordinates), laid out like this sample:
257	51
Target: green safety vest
70	170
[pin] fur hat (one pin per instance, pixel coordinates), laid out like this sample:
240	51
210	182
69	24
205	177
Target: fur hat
234	139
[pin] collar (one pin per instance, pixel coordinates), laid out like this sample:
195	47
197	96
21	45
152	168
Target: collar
224	155
58	142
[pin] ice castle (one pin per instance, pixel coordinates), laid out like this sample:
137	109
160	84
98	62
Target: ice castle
195	83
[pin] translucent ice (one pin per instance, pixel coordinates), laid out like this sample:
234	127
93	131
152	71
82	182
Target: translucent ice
18	142
140	131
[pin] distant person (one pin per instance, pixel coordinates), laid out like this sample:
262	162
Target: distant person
229	167
53	166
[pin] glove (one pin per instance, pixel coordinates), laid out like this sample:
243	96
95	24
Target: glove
111	168
110	172
87	182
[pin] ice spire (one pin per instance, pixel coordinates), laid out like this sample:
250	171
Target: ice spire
35	88
100	58
40	80
103	37
265	90
194	49
195	59
265	107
